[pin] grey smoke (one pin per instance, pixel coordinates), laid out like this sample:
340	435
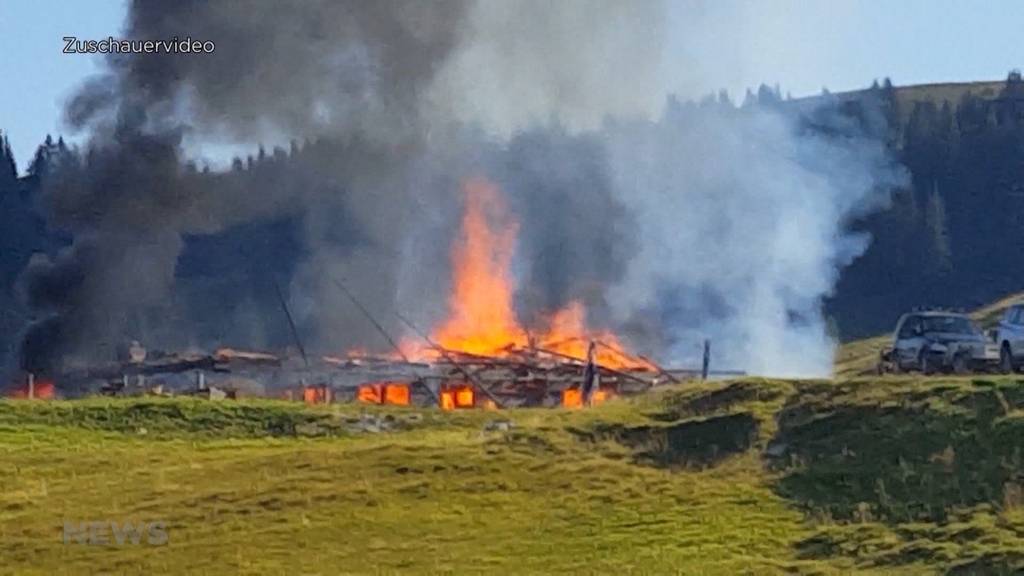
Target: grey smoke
670	225
576	235
528	61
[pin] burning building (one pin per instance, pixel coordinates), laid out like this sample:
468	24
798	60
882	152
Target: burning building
478	355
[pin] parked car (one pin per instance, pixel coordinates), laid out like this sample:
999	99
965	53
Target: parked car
1010	337
935	341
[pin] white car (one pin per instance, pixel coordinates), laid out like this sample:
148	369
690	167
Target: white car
938	341
1010	337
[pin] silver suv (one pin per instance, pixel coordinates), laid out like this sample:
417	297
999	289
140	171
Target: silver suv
936	341
1010	337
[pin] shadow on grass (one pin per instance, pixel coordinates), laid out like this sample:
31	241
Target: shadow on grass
695	443
728	398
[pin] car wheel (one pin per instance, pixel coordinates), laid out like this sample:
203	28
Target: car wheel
1005	360
882	366
960	365
926	366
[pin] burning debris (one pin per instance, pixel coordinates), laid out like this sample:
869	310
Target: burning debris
34	389
482	321
391	393
479	356
528	376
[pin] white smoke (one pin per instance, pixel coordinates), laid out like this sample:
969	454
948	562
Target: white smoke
741	218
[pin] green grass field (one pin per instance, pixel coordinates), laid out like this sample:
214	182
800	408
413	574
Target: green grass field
893	476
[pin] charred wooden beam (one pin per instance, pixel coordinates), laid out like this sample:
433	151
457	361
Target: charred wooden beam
370	318
291	323
605	368
642	358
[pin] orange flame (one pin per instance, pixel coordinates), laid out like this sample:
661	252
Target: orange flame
42	389
396	393
568	334
482	319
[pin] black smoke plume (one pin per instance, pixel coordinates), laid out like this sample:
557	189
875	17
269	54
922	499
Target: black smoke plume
345	74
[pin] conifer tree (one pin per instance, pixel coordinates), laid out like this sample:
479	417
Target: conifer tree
8	168
40	165
938	231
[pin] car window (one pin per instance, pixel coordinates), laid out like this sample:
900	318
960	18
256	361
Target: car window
1010	317
1015	315
907	330
949	324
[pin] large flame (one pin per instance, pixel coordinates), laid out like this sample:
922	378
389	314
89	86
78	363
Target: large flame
481	318
568	334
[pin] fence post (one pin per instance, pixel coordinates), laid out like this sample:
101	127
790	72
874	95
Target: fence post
707	360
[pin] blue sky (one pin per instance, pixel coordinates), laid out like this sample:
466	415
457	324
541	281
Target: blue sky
36	76
733	44
844	44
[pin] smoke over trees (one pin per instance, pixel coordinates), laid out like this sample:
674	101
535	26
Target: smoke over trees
669	225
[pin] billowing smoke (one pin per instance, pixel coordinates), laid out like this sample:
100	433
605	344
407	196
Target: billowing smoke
528	61
347	73
742	215
670	225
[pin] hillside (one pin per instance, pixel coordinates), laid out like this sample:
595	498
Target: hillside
911	96
941	93
751	476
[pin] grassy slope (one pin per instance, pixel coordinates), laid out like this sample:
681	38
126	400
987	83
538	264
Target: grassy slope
950	92
675	482
441	497
907	97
